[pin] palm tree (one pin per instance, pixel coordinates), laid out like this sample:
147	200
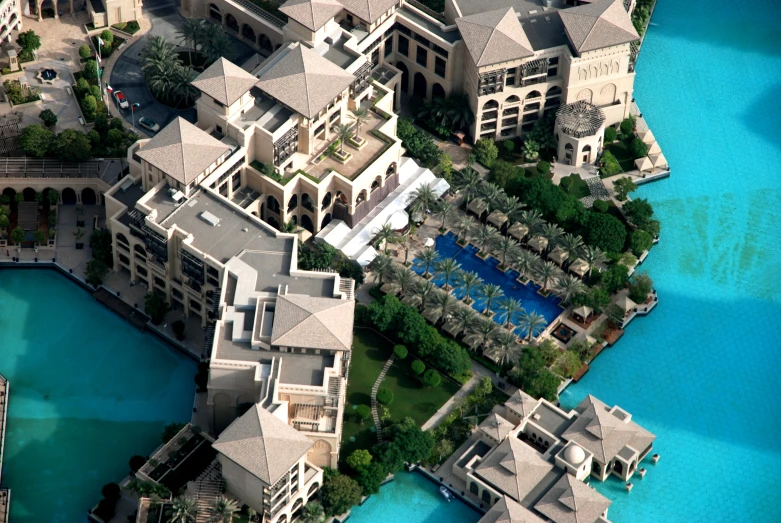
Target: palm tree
191	33
551	233
435	111
482	333
468	182
182	87
424	290
222	510
572	245
385	234
426	258
545	272
510	206
361	116
459	113
593	256
464	319
343	133
216	43
485	238
448	267
533	322
422	199
491	192
383	265
469	281
570	286
507	247
489	292
404	241
183	510
524	262
158	50
402	278
464	225
444	304
532	219
510	307
313	513
444	211
505	347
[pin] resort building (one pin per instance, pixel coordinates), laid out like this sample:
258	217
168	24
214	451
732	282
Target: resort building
102	13
10	18
515	60
529	459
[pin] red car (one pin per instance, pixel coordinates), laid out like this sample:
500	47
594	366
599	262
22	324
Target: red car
121	100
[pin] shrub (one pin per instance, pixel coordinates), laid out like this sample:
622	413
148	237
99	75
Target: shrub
82	84
543	167
485	151
637	148
171	430
29	41
90	71
566	183
610	135
359	459
400	351
5	70
338	494
364	412
136	462
600	206
622	187
640	241
385	396
94	137
418	367
156	307
132	26
48	117
509	146
639	287
85	51
94	90
107	36
605	231
628	127
178	327
610	165
89	105
432	378
111	491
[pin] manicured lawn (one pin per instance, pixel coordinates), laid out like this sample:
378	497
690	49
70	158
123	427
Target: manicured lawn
578	189
620	151
411	398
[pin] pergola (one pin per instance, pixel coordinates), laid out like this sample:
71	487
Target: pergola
477	206
582	313
538	243
659	161
646	136
654	148
558	255
644	164
579	267
580	119
497	218
518	231
625	304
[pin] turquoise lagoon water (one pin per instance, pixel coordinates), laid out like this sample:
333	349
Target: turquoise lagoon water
411	498
87	392
702	371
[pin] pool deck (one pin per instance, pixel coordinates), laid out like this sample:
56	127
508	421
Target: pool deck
5	494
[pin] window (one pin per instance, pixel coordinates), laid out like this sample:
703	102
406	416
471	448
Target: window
422	39
438	50
177	293
403	45
218	129
160	282
440	66
140	270
553	61
388	47
422	56
510	77
553	71
195	305
403	29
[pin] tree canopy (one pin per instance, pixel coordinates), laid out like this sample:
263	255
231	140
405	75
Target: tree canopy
340	493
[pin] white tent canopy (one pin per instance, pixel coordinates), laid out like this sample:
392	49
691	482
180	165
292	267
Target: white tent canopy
644	164
660	162
647	136
654	148
398	220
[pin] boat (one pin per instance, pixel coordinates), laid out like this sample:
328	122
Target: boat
446	493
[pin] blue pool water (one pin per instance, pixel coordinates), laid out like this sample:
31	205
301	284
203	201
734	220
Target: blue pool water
447	247
411	498
88	391
702	371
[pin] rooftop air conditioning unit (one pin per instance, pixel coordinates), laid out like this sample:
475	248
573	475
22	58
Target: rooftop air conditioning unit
210	218
127	184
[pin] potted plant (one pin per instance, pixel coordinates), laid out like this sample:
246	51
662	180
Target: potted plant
52	236
79	234
17	236
40	237
79	214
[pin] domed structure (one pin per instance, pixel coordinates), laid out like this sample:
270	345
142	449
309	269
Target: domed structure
579	129
574	454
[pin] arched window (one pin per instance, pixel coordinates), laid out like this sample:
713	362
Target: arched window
586	95
214	13
608	94
248	33
437	91
272	204
553	91
326	201
512	100
231	23
292	203
587	149
532	95
490	104
568	147
361	197
264	42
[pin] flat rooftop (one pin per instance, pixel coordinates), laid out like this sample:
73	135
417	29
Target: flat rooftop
163	203
545	31
522	7
129	197
337	54
273	269
233	233
550	420
434	28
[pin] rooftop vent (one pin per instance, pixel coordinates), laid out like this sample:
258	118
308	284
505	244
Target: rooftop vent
127	184
245	229
210	218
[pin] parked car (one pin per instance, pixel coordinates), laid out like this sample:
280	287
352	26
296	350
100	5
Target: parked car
148	124
121	100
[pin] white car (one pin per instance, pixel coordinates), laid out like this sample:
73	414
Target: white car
121	100
148	124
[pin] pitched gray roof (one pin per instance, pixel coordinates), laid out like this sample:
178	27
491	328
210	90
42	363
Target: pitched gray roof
496	426
597	25
312	14
304	81
604	434
262	444
313	322
494	36
521	403
368	10
506	510
513	467
182	150
224	81
571	501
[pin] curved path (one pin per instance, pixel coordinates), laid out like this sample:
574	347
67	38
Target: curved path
375	414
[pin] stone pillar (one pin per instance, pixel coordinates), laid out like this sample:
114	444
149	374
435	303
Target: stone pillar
71	6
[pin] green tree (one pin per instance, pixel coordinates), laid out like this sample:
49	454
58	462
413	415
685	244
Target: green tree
192	32
29	41
171	430
543	167
445	167
96	271
339	494
418	367
108	37
568	363
370	479
639	212
222	510
72	145
485	151
610	135
17	236
385	396
639	287
432	378
532	322
502	173
36	141
614	278
48	117
89	104
90	71
622	187
364	412
343	133
400	351
184	509
606	232
94	137
637	148
423	199
359	459
313	513
628	127
426	258
101	242
610	165
361	116
85	51
414	443
640	241
445	211
531	150
156	307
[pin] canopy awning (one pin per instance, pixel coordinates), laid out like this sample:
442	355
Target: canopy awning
579	267
558	255
497	218
411	300
538	243
398	220
646	136
644	164
432	315
451	328
583	311
654	148
660	162
518	231
625	303
477	206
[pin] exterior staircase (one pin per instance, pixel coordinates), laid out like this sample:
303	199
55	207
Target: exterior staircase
207	487
375	413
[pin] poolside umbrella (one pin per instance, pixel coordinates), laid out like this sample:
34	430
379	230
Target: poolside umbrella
646	136
518	231
429	242
473	340
538	243
583	312
398	220
644	164
625	303
660	162
558	255
654	148
579	267
497	218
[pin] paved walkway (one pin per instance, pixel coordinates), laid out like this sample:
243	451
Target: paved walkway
375	414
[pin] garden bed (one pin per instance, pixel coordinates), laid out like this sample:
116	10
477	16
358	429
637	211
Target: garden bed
620	150
130	28
578	188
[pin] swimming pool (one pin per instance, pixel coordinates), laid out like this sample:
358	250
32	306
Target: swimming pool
88	391
411	498
701	371
527	294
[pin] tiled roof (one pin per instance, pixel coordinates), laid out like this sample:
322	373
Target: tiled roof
494	36
182	151
224	81
506	510
521	403
312	14
603	434
571	501
496	426
304	81
514	467
598	25
313	322
368	10
262	444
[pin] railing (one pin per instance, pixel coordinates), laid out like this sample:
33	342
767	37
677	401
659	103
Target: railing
260	12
